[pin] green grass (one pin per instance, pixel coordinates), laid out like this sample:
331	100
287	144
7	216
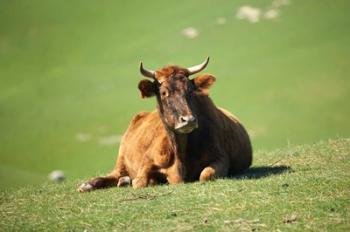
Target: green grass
69	67
300	188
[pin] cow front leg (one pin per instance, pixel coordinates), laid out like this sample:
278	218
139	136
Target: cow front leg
143	174
140	182
176	173
215	170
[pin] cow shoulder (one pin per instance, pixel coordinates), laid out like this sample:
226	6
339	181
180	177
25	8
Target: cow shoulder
138	117
135	125
143	128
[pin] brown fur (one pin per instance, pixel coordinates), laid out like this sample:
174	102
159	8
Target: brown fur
151	152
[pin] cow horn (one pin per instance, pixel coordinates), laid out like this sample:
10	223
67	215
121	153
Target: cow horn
198	68
146	72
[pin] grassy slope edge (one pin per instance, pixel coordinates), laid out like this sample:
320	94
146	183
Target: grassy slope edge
299	188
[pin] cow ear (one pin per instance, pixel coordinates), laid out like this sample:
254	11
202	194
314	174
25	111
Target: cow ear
147	88
202	83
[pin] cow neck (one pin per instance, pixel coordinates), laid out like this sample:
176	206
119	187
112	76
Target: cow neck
178	143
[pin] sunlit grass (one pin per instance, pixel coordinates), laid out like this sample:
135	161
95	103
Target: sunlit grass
292	189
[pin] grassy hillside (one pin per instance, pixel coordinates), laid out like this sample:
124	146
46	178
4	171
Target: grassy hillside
69	71
302	188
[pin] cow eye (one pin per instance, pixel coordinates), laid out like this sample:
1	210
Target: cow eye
164	93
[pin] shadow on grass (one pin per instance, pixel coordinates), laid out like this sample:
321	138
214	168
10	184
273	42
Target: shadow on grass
262	171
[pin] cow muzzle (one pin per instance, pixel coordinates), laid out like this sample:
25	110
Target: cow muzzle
186	124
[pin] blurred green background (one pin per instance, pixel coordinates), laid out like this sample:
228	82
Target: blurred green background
69	74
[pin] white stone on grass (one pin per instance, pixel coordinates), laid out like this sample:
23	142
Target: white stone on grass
251	14
279	3
110	140
83	137
57	176
271	14
190	32
221	20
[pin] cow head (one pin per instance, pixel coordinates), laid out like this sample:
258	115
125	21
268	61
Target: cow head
175	94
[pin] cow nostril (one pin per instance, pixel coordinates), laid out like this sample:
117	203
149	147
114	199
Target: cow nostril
187	119
186	124
183	119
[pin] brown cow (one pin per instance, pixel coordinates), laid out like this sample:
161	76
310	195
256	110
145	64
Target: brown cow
186	139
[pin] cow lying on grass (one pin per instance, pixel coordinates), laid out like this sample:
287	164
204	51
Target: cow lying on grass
186	139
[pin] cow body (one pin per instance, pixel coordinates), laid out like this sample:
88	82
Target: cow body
152	152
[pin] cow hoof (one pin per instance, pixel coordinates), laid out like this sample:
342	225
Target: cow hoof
85	187
124	181
207	174
139	183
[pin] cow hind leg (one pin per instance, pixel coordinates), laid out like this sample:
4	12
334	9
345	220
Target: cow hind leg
104	182
119	177
124	181
215	170
99	182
